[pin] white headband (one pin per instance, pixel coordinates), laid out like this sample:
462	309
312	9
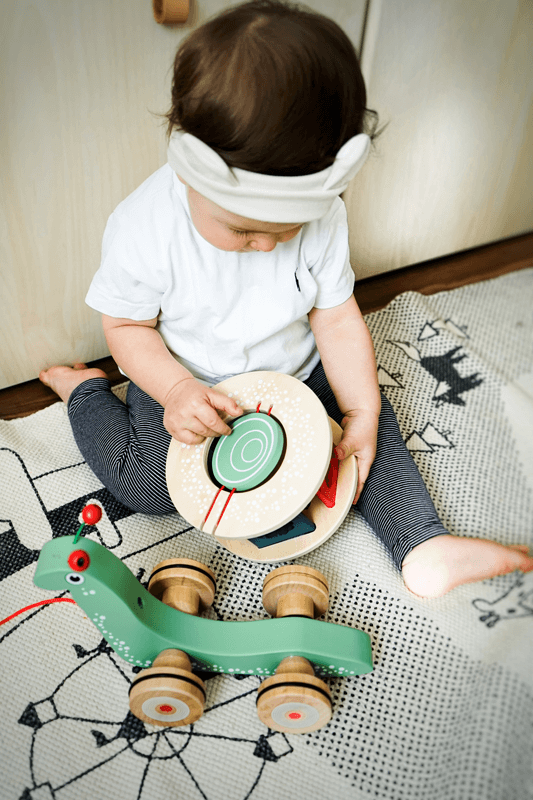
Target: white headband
268	198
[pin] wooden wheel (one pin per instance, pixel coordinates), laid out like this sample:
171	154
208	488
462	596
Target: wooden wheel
168	693
295	591
184	584
294	700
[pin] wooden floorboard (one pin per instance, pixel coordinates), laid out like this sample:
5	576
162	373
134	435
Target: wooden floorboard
441	274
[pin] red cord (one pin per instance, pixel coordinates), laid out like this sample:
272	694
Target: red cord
225	507
35	605
212	504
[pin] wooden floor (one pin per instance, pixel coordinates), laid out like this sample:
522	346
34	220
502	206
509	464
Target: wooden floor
372	294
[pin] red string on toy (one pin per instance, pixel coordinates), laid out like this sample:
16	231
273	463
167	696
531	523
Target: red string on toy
225	507
35	605
212	504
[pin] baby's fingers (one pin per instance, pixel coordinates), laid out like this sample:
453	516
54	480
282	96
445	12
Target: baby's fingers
363	468
209	423
224	403
188	437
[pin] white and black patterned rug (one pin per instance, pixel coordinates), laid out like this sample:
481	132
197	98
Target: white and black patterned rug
446	714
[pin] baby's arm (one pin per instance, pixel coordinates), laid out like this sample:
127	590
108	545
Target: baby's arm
347	354
190	407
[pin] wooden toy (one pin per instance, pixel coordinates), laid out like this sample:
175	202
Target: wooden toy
293	699
157	629
271	490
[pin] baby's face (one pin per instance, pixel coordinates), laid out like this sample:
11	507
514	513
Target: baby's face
228	231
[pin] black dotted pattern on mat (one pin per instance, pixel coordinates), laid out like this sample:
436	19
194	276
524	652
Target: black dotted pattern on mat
430	721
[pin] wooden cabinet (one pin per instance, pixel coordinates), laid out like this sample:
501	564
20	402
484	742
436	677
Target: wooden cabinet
83	83
453	83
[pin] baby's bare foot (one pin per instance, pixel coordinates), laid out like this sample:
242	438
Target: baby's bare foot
63	380
434	567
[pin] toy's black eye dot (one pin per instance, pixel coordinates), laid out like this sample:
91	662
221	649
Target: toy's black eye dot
74	578
78	560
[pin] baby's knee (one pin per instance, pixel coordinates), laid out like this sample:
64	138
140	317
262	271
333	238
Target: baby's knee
152	507
150	500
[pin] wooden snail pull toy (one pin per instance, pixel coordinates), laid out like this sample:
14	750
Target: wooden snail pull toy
157	629
272	490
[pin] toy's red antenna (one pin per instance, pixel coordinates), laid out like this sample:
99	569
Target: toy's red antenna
91	514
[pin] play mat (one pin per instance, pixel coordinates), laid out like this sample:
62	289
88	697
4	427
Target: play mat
446	714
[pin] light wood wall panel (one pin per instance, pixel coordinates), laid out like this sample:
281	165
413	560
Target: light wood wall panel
453	82
79	80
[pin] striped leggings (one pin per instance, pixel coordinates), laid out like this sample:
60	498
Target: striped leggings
126	447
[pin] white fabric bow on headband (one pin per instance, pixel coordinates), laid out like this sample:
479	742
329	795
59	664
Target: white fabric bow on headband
268	198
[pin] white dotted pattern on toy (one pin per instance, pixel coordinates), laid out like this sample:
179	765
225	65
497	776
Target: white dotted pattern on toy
281	498
326	520
118	644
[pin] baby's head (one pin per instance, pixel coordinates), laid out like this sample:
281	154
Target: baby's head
271	87
264	96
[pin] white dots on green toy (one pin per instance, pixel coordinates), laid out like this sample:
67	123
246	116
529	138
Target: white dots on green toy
159	630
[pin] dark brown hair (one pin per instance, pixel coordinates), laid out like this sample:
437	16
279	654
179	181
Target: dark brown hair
272	87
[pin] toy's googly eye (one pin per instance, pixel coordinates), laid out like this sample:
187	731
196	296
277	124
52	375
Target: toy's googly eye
78	560
74	578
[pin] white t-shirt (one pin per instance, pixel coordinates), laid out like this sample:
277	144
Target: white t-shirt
219	313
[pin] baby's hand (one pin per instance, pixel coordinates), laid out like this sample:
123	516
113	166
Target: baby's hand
359	439
191	412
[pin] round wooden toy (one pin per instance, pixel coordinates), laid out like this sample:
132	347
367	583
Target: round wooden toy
294	700
266	473
168	693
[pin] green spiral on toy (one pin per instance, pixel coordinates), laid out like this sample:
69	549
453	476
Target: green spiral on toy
250	454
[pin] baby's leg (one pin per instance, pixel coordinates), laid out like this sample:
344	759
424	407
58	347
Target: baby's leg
394	500
397	505
124	444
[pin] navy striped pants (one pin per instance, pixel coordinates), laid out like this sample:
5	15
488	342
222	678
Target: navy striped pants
126	446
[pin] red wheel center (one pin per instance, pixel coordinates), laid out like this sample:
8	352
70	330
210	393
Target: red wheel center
294	715
166	709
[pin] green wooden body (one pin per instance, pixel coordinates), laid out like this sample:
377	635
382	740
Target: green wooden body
138	626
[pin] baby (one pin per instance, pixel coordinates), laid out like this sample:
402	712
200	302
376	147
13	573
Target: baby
233	257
